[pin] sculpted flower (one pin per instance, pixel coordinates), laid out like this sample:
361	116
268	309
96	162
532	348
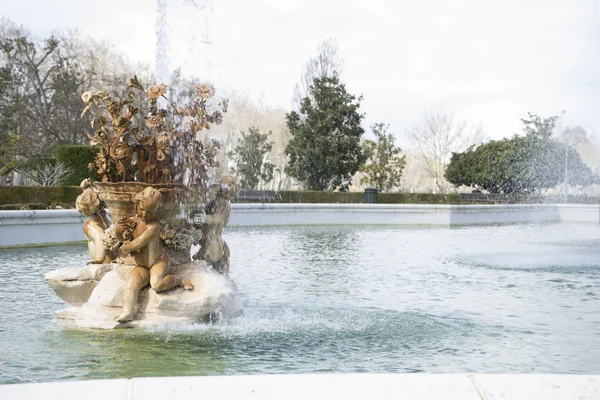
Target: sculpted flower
119	150
158	141
163	138
102	165
125	228
134	83
166	172
122	122
113	107
131	111
205	91
166	232
86	97
156	91
155	121
99	120
215	118
147	141
102	94
100	135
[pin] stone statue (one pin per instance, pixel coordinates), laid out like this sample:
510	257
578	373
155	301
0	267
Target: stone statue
213	218
141	236
97	222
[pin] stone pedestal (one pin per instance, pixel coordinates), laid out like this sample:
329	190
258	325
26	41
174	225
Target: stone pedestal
95	296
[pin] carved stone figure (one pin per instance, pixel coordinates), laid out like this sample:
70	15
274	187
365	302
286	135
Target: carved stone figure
141	236
150	195
97	222
213	218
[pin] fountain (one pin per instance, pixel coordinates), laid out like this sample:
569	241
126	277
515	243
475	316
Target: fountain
152	204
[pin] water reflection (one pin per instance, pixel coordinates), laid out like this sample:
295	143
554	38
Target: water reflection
129	353
323	260
340	299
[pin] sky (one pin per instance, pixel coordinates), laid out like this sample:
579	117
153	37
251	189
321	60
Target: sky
487	62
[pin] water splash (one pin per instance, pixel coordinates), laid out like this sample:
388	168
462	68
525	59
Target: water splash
183	38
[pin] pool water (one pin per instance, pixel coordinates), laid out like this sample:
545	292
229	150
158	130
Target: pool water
495	299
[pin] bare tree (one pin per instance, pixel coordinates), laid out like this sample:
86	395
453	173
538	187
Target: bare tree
326	63
46	78
48	175
436	138
244	113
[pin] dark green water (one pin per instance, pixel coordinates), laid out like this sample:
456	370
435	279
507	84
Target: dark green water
513	299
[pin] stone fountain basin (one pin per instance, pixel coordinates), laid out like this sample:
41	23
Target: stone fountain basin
94	295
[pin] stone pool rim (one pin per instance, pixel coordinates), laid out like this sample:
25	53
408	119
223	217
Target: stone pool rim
48	227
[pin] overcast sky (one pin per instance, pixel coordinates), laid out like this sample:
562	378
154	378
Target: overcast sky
488	62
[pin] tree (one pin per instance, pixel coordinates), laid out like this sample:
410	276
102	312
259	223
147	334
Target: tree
30	66
385	166
325	150
437	138
537	127
326	64
47	78
249	156
242	113
11	143
521	164
41	82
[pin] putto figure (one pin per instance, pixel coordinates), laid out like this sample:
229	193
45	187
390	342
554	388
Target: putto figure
97	222
152	261
213	218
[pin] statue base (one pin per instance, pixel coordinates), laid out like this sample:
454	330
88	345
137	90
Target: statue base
95	297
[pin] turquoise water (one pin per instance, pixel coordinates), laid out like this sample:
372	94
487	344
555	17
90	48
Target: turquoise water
513	299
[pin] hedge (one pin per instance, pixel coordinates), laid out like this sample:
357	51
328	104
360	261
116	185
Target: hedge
77	158
47	195
418	198
301	196
27	206
306	196
66	195
17	197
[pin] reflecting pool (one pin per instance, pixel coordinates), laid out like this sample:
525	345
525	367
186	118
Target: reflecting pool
514	299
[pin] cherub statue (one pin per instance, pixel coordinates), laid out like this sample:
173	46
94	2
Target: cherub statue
213	218
141	236
97	222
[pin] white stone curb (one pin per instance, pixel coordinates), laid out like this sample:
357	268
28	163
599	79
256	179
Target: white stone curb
323	386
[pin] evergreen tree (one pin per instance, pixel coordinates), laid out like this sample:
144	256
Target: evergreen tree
521	164
325	150
249	157
384	165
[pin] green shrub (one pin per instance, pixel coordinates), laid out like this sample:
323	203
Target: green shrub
27	206
46	195
37	162
76	158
